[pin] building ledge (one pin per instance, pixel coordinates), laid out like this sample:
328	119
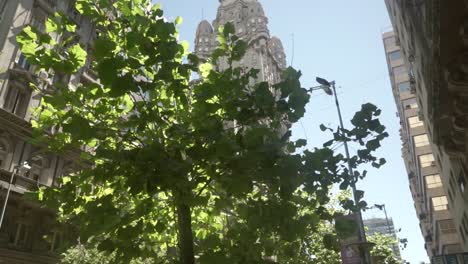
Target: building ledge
8	256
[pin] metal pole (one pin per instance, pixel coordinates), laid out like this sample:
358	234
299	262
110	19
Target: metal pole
362	232
7	195
388	222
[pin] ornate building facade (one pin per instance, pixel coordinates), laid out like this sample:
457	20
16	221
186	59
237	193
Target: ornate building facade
29	233
432	35
265	53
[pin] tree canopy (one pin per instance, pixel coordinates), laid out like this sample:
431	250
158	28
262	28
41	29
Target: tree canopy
177	171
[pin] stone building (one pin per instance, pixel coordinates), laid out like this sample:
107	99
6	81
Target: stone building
265	53
433	38
430	193
29	234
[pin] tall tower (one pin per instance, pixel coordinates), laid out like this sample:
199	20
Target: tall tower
264	52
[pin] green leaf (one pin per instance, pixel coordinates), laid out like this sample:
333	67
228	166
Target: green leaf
78	56
301	143
51	25
103	48
205	69
228	29
179	20
79	127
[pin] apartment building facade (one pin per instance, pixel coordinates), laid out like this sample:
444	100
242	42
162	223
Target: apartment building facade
432	36
29	234
430	193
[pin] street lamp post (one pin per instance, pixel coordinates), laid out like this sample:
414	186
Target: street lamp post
24	165
330	89
382	208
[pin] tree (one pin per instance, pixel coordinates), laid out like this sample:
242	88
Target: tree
176	171
382	251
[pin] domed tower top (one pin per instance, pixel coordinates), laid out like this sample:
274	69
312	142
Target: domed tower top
276	49
204	28
247	16
204	40
227	2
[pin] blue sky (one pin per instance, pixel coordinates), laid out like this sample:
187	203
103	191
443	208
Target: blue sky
338	40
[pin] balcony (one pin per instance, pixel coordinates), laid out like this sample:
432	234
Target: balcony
21	183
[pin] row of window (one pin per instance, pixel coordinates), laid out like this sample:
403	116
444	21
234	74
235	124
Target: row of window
203	40
23	237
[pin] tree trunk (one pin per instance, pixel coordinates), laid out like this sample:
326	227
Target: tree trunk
184	222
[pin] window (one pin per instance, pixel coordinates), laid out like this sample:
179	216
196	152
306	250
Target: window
17	100
4	149
440	203
421	140
426	160
433	181
451	249
462	234
447	226
37	166
400	70
462	182
450	195
55	240
74	14
465	223
410	103
38	23
404	87
23	63
2	8
391	41
22	235
396	55
415	122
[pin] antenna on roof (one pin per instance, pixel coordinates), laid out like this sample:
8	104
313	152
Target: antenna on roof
292	55
202	14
